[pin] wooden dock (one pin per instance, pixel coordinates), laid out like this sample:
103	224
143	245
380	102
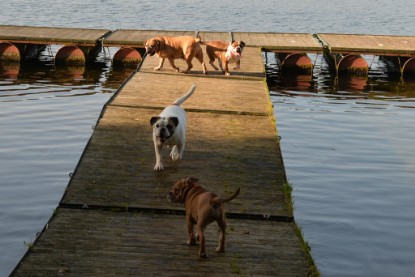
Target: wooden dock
291	48
114	218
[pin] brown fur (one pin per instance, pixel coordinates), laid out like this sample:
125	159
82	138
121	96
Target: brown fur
217	50
171	48
202	208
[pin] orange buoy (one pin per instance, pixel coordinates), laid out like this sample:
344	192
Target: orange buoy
126	57
353	64
70	56
9	52
297	62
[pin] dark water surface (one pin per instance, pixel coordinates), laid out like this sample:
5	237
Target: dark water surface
347	143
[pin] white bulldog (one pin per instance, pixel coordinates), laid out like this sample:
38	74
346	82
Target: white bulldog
170	128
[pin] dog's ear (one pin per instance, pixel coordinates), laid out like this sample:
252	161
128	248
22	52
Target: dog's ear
242	44
153	120
175	120
191	180
158	43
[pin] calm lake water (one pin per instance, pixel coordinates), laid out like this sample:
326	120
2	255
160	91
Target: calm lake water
347	144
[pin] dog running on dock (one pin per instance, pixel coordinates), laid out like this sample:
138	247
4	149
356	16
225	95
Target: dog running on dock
202	208
169	128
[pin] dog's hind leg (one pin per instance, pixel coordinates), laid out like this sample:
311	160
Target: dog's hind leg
222	230
212	63
199	57
191	240
202	241
189	65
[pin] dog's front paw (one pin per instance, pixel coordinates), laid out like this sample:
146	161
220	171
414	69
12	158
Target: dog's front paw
157	68
227	74
174	154
159	167
203	255
191	241
220	249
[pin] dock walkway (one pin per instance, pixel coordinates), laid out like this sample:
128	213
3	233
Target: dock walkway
343	51
114	218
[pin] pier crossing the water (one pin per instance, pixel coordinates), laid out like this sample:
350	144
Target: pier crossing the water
114	218
342	51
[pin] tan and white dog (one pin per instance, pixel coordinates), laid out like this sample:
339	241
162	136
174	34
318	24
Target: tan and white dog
170	128
226	53
171	48
202	208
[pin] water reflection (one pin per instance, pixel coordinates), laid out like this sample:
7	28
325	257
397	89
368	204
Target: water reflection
9	70
21	81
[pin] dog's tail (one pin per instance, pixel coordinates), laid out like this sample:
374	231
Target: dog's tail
218	200
181	100
198	39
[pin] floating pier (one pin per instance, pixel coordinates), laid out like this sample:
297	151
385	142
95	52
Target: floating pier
114	218
342	51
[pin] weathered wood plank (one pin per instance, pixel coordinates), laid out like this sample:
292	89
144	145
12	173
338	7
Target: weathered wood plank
105	243
51	35
223	36
137	38
369	44
280	42
218	94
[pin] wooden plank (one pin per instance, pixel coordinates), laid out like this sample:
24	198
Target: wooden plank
108	243
252	66
219	94
137	38
280	42
369	44
223	36
51	35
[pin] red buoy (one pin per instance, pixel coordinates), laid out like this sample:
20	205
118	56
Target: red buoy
297	62
70	56
126	57
9	52
354	64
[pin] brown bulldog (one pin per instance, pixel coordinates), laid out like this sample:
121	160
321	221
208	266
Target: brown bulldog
171	48
202	208
226	53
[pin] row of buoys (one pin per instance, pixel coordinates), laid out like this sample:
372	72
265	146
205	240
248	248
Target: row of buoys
71	55
353	64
